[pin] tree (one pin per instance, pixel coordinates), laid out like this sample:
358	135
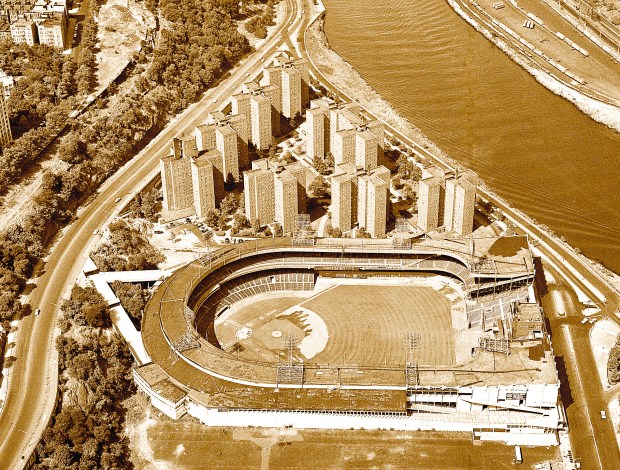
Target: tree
256	225
613	363
213	218
72	149
319	187
277	230
334	232
229	205
149	204
321	166
362	233
405	167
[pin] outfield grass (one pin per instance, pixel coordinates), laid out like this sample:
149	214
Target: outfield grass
368	325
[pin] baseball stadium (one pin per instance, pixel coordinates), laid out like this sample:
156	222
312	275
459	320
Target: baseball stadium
356	333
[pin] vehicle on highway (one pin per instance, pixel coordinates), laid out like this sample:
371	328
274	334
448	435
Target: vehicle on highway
247	74
214	101
118	199
96	232
37	312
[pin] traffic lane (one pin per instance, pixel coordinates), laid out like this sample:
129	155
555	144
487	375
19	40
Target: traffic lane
580	387
582	396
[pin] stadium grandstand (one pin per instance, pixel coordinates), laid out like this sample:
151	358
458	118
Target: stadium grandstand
202	328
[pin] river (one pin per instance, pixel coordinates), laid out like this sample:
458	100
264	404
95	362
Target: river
532	147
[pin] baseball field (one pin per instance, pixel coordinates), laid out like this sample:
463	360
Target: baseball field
364	325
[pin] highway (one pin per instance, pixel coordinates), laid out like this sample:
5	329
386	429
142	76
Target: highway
593	439
34	378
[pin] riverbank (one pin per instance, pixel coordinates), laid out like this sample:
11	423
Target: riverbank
345	78
601	112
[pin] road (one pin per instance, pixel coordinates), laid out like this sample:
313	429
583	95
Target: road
593	439
33	381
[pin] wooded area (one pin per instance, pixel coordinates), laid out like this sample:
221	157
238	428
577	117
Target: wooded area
198	47
94	374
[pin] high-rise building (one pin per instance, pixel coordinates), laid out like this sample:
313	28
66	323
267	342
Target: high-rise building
343	130
372	193
260	105
272	93
7	83
52	31
203	185
291	92
259	193
5	126
366	150
460	201
222	125
261	121
344	199
360	197
34	21
292	77
285	198
275	193
240	104
429	194
24	31
343	146
226	143
176	177
299	172
316	124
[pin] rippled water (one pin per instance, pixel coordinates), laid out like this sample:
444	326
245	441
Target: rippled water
532	147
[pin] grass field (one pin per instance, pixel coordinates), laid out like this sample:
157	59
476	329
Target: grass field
187	444
366	325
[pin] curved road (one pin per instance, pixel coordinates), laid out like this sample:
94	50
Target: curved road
32	384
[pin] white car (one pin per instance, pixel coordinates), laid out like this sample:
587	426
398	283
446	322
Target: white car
37	312
603	414
118	199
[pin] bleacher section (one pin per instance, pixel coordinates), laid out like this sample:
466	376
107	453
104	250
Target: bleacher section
246	286
493	307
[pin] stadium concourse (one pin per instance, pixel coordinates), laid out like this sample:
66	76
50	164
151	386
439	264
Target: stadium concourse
357	333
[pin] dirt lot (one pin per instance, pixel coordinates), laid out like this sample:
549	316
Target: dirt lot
122	27
160	443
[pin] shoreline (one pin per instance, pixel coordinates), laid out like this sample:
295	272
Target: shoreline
603	113
348	80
